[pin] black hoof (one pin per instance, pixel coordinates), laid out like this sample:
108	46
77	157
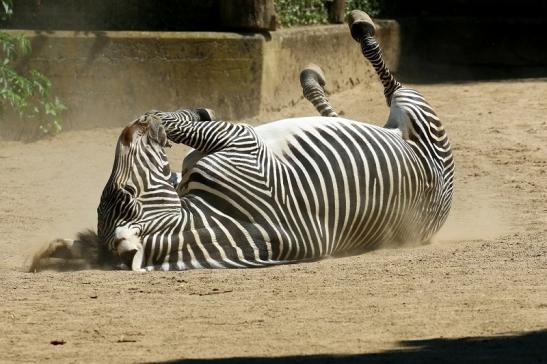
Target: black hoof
312	71
205	114
360	24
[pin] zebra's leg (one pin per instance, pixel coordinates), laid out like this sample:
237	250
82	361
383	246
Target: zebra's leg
191	128
187	164
312	80
199	114
187	127
362	29
205	114
181	116
180	179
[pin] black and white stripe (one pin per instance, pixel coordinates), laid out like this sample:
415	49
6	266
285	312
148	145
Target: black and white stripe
291	190
371	50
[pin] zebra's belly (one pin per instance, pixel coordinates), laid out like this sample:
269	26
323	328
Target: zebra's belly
277	135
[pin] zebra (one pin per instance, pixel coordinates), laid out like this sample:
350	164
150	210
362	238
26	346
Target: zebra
292	190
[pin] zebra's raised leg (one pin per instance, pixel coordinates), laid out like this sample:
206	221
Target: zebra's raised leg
362	29
188	163
312	80
206	114
207	136
199	114
198	130
189	115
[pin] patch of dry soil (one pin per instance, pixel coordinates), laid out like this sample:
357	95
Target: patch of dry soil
484	276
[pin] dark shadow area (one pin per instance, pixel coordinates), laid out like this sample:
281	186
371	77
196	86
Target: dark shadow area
476	8
436	73
525	348
139	15
447	49
469	40
92	15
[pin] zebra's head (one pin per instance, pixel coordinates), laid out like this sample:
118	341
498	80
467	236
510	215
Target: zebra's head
137	189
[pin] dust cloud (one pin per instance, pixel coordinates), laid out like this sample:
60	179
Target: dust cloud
474	218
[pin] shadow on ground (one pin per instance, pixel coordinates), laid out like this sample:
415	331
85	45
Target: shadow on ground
529	347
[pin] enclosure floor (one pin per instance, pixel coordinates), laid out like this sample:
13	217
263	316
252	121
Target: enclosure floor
485	275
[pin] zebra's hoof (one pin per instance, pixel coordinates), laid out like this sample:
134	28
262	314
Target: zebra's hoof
205	114
360	24
312	72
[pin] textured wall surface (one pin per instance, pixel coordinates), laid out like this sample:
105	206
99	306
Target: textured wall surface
332	48
109	78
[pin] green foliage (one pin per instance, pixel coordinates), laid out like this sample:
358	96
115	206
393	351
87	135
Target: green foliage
371	7
25	93
300	12
307	12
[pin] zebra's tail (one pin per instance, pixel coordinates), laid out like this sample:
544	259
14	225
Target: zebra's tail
362	29
313	81
85	252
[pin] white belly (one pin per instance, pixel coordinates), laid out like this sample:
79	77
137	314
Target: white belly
278	134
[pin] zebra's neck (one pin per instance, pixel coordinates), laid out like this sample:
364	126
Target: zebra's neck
200	236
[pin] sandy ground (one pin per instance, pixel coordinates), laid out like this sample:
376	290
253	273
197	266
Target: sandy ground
478	293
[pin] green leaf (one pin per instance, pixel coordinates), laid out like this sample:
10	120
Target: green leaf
26	92
7	5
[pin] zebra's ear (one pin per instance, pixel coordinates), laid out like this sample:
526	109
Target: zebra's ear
156	132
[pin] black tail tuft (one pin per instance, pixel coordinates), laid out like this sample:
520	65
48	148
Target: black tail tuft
94	252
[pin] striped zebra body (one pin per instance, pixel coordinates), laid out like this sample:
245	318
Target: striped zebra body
292	190
330	187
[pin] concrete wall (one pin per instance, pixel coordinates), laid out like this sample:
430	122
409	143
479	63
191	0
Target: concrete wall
332	48
109	78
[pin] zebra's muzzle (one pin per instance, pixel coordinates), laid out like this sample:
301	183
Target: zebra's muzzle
129	248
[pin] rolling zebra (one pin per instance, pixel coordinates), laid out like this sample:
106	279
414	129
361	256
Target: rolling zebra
291	190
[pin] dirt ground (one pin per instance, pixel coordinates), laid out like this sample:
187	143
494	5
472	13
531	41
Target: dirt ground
477	294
